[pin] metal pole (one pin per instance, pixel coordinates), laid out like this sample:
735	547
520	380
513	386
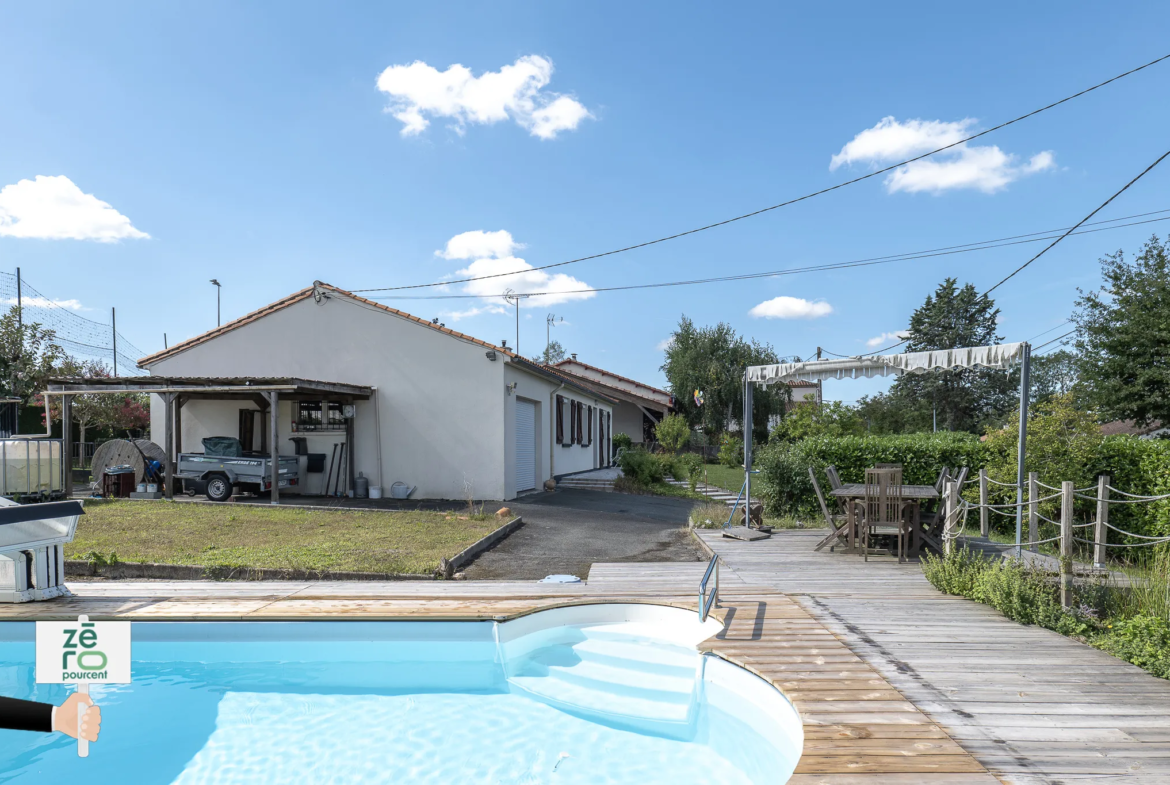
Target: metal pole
1025	381
114	329
19	302
747	451
274	443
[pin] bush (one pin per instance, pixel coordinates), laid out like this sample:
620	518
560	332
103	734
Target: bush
673	432
641	467
783	479
730	450
689	468
622	442
1142	640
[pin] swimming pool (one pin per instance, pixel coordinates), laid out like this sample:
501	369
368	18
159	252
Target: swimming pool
583	694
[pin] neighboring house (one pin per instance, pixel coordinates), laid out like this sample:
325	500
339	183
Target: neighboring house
1155	430
447	412
638	408
803	392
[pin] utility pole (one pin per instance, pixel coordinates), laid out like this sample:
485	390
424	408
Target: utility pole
114	330
217	291
548	323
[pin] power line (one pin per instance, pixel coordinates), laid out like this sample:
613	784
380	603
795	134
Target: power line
867	262
781	204
1054	340
1124	188
1050	329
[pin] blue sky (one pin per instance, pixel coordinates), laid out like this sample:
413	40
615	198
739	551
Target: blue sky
256	146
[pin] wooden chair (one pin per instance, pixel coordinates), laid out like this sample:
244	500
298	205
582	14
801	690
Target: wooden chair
884	510
837	523
932	521
834	480
888	466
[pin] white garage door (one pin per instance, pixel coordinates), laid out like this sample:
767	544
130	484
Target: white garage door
525	446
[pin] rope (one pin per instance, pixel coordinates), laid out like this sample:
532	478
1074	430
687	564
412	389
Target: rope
1124	501
1137	495
1005	484
1041	517
1001	512
1122	544
1131	534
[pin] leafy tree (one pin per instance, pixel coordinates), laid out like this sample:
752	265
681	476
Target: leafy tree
964	399
1053	374
831	418
29	353
713	360
116	414
553	353
1123	337
672	432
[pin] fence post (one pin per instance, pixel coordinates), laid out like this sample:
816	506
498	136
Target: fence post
1067	489
1102	533
951	512
983	526
1033	511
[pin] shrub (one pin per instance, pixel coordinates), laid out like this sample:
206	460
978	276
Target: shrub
622	442
672	432
730	450
783	479
688	467
1142	640
641	467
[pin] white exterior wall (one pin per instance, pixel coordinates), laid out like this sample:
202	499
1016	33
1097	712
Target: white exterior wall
443	404
559	459
627	419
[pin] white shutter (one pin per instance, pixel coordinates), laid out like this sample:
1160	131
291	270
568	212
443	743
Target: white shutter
525	445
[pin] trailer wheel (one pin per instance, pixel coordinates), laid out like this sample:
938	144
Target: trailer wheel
219	488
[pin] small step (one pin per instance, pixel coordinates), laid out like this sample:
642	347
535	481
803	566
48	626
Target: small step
559	691
599	675
650	658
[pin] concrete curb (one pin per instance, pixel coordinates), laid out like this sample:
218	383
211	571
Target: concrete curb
468	554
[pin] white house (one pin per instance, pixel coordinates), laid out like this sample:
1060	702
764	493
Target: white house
638	408
448	413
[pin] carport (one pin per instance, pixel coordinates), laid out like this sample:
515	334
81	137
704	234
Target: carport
175	391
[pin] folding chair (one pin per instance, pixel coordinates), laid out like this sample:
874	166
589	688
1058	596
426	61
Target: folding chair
837	523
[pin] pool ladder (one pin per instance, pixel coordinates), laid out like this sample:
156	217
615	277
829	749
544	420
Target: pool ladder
707	601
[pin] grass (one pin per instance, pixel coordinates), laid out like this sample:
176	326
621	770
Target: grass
628	485
238	536
726	477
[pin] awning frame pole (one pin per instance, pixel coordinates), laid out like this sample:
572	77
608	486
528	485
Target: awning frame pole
747	450
1025	383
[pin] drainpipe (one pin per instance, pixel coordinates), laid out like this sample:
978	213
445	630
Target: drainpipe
378	430
552	430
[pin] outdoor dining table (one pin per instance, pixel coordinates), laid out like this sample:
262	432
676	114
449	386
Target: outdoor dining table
915	494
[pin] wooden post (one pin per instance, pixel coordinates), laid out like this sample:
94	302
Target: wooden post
1067	489
1102	532
67	444
1033	511
179	401
983	523
274	443
169	443
951	511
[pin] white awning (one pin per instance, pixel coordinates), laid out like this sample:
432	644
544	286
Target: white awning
1000	356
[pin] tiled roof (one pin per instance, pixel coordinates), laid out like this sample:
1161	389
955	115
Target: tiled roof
609	373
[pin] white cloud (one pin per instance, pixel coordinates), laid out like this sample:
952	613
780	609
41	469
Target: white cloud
514	92
44	302
791	308
53	208
470	312
884	338
664	344
491	254
479	244
985	168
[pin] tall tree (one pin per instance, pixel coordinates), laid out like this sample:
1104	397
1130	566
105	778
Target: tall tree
553	353
712	360
29	353
965	399
1053	374
1123	337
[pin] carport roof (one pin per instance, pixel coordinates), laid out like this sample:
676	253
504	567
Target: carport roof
221	386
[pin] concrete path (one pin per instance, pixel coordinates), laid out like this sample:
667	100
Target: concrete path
566	531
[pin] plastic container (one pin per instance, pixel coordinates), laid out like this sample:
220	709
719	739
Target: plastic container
140	488
401	490
375	492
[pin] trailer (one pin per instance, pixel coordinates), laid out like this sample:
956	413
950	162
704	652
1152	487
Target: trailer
219	476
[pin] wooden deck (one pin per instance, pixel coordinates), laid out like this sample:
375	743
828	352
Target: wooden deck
895	682
1030	705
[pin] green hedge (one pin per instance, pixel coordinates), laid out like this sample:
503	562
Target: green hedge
1135	465
783	479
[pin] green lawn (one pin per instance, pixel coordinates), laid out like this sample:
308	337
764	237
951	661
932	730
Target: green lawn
725	477
277	537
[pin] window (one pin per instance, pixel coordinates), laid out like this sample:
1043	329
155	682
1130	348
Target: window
318	416
560	420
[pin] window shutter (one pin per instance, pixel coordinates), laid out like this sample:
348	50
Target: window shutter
580	436
572	422
560	420
589	429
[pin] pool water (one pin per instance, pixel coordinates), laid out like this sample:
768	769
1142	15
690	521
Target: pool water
584	695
